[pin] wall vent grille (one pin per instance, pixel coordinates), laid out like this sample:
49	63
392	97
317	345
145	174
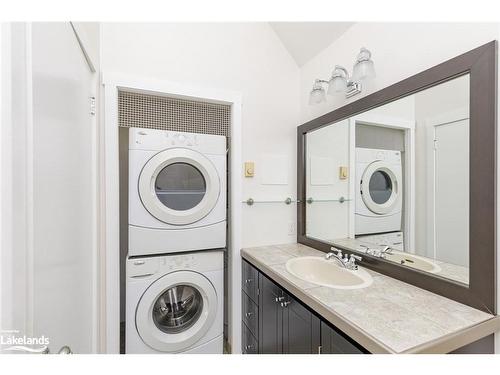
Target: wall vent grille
140	110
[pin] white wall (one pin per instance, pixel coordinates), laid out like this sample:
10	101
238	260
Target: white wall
328	149
399	51
242	57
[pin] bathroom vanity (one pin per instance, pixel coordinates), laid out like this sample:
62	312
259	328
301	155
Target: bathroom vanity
275	322
284	314
399	189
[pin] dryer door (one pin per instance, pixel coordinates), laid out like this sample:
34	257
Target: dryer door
380	188
176	311
179	186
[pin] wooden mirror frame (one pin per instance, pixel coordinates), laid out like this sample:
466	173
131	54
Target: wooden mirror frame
481	64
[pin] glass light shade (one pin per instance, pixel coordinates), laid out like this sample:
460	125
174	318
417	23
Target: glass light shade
363	70
337	85
317	96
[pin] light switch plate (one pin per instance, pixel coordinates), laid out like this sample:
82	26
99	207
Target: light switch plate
249	169
343	174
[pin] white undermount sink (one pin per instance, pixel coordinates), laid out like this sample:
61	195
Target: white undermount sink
320	271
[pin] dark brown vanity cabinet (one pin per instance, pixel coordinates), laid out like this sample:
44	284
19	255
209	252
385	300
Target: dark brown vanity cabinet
301	328
334	342
270	317
274	322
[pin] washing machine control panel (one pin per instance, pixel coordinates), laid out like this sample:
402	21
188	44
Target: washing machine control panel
144	267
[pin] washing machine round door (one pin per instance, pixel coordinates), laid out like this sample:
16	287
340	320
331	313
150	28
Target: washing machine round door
380	188
176	311
179	186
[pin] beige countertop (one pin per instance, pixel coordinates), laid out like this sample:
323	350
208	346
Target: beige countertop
389	316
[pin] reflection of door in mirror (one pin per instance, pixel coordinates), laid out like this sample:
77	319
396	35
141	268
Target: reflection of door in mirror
451	192
442	173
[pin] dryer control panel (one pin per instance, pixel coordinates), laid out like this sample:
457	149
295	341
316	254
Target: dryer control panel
154	139
368	155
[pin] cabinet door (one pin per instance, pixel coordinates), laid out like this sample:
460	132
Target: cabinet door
301	329
250	315
270	317
333	342
250	280
249	344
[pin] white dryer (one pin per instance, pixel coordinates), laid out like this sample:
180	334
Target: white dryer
175	304
379	191
177	191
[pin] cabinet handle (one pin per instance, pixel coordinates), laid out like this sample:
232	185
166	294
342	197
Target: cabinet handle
279	299
248	281
248	347
286	303
249	314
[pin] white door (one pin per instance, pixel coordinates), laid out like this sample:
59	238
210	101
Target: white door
451	194
64	194
58	179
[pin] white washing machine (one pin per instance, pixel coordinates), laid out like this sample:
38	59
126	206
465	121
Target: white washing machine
175	304
177	191
379	191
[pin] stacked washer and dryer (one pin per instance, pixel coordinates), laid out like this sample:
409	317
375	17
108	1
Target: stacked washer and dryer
379	197
177	236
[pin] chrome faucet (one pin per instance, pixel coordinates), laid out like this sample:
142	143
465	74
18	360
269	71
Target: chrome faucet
348	262
379	253
337	254
351	264
386	250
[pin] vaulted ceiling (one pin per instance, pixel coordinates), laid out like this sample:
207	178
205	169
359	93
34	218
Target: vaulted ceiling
304	40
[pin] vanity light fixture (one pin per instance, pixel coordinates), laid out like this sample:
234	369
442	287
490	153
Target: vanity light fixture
340	83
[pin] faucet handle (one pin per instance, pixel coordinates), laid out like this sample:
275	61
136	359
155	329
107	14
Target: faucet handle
357	257
335	250
387	250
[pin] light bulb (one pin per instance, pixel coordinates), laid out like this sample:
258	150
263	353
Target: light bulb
364	68
337	85
317	94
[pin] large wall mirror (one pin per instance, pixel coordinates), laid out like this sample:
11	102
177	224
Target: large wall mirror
406	178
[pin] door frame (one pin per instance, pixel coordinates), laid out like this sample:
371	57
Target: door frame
110	221
6	251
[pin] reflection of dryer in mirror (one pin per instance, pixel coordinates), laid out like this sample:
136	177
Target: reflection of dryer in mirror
379	191
177	191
